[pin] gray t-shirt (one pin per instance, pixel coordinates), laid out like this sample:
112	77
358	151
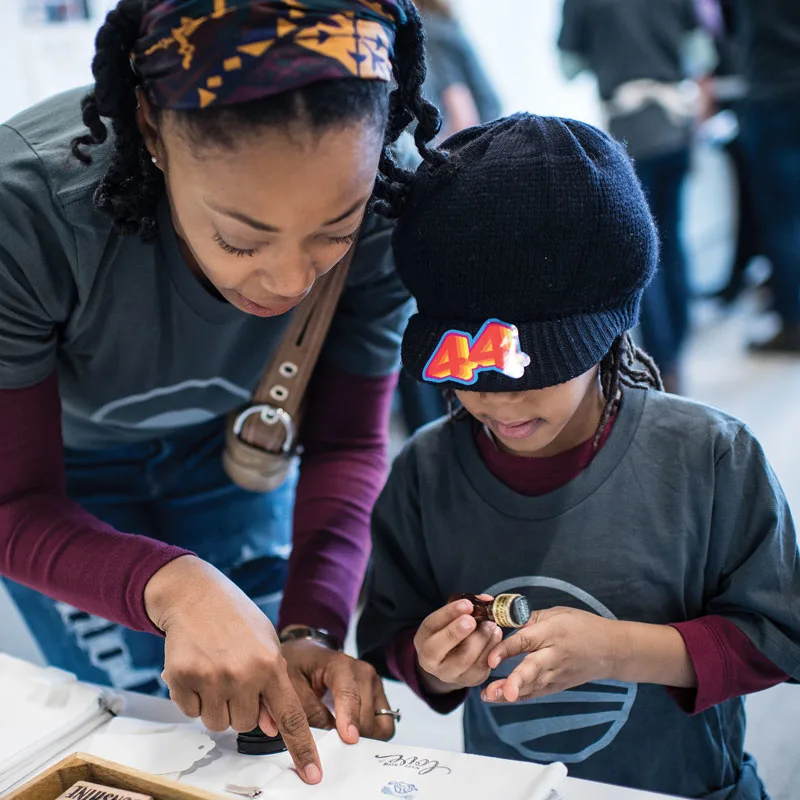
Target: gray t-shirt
678	516
770	37
141	348
628	40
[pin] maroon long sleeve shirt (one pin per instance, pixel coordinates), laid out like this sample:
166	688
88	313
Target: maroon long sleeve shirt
51	544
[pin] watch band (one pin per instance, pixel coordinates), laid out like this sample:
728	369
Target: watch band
318	635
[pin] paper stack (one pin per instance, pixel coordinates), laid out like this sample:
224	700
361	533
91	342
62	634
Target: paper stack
44	712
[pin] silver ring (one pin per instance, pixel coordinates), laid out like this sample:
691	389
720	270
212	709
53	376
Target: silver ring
387	712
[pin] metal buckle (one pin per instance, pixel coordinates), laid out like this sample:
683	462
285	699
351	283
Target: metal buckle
269	416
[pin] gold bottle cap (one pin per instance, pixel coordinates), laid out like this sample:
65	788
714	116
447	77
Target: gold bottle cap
511	610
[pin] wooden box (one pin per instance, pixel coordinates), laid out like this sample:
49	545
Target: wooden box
81	767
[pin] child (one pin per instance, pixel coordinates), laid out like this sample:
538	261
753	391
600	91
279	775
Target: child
648	533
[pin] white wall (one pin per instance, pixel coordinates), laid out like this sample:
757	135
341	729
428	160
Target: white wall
516	39
40	62
15	91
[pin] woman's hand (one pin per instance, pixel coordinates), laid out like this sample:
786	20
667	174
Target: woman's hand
453	650
355	686
223	662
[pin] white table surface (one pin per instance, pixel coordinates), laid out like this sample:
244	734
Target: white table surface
156	709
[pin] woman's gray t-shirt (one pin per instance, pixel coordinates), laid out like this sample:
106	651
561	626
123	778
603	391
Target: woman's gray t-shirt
141	348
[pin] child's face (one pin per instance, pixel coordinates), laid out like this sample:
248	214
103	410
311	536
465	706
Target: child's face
540	422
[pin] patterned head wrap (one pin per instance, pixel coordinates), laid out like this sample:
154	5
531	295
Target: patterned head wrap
197	53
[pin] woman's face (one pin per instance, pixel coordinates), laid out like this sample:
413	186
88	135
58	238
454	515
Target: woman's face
265	219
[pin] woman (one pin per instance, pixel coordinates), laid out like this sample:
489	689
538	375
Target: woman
145	278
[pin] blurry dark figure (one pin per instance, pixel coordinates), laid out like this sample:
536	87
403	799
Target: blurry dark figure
726	90
66	11
457	81
458	84
643	54
770	40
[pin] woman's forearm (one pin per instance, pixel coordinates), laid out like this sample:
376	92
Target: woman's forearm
344	468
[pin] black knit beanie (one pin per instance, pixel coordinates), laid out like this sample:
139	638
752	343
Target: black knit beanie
537	223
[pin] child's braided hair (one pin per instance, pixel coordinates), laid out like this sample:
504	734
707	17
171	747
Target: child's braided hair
132	186
626	364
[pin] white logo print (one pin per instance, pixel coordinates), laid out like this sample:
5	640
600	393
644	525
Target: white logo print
570	726
167	407
400	789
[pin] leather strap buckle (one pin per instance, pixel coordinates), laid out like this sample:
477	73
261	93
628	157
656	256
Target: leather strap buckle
269	415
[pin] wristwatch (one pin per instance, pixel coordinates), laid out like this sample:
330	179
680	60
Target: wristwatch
318	635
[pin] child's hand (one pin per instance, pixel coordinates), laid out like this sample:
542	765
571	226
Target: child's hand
453	650
567	648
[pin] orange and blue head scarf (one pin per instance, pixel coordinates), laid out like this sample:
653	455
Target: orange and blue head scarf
197	53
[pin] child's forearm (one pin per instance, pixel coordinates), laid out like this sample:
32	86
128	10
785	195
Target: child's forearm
652	654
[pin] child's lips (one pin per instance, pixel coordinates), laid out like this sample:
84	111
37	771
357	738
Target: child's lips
516	430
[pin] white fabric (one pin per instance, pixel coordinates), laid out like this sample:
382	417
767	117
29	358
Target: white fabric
681	101
374	770
151	746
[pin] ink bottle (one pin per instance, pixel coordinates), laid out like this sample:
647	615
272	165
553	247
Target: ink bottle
506	610
257	743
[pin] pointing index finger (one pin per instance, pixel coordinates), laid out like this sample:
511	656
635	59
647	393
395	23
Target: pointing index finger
285	708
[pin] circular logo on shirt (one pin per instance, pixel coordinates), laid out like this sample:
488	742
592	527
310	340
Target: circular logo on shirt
569	726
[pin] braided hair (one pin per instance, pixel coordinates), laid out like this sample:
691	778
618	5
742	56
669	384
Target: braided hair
132	186
625	364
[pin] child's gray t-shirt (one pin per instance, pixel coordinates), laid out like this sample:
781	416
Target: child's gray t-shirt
678	516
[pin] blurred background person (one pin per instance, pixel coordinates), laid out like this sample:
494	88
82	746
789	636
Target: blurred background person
770	39
460	87
457	80
725	92
56	11
644	55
